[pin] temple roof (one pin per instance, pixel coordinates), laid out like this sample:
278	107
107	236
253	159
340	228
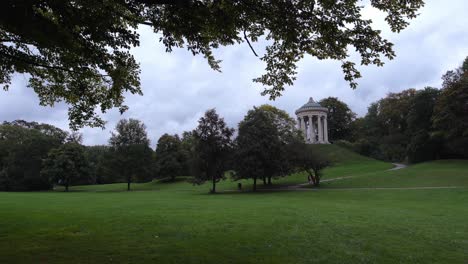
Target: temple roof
311	105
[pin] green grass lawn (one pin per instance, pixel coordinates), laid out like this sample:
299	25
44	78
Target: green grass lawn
442	173
181	223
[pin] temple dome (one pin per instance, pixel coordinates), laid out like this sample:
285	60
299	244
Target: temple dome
311	105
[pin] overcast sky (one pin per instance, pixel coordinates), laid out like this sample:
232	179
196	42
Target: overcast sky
178	87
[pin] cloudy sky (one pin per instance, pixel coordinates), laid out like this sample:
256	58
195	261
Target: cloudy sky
178	87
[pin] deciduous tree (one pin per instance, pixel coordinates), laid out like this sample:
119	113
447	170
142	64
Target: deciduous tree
450	114
340	118
213	144
23	146
66	165
260	146
132	154
306	158
79	51
170	157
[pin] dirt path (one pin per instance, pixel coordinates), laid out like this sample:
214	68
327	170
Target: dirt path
398	166
290	189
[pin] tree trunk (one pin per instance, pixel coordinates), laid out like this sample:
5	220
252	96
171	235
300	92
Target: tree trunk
66	185
317	178
128	184
255	184
269	180
264	181
312	177
213	189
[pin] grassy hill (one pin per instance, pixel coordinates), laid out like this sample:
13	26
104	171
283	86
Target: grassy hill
180	223
441	173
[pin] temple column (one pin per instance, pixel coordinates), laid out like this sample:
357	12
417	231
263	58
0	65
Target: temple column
304	130
325	129
312	131
320	129
309	128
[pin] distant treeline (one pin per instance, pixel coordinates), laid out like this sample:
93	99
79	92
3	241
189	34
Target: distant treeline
37	156
416	125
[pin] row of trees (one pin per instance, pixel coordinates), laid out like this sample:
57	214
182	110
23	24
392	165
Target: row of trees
417	125
36	156
267	146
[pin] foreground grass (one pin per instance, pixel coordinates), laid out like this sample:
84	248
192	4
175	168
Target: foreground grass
418	226
181	223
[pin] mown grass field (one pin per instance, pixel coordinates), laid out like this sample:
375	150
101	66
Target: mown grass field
346	221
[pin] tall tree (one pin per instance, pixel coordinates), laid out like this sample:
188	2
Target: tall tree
78	51
66	165
258	147
450	113
212	148
169	157
132	154
423	143
340	118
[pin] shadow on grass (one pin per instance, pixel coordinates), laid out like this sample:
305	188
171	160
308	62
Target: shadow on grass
169	180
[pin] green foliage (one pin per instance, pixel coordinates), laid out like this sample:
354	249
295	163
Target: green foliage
418	125
101	169
399	127
339	117
450	115
423	144
213	145
78	51
66	165
305	157
170	157
261	144
129	132
258	147
132	157
23	146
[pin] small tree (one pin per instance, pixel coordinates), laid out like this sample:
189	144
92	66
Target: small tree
133	156
213	144
306	158
169	156
66	164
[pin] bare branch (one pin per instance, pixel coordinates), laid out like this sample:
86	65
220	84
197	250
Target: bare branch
250	45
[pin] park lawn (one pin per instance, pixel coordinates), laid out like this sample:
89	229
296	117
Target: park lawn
181	223
441	173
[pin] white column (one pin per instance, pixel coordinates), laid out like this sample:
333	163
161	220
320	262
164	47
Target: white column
310	128
320	130
298	123
325	129
304	129
312	134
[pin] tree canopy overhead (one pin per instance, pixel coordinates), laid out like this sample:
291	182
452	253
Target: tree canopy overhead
78	51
